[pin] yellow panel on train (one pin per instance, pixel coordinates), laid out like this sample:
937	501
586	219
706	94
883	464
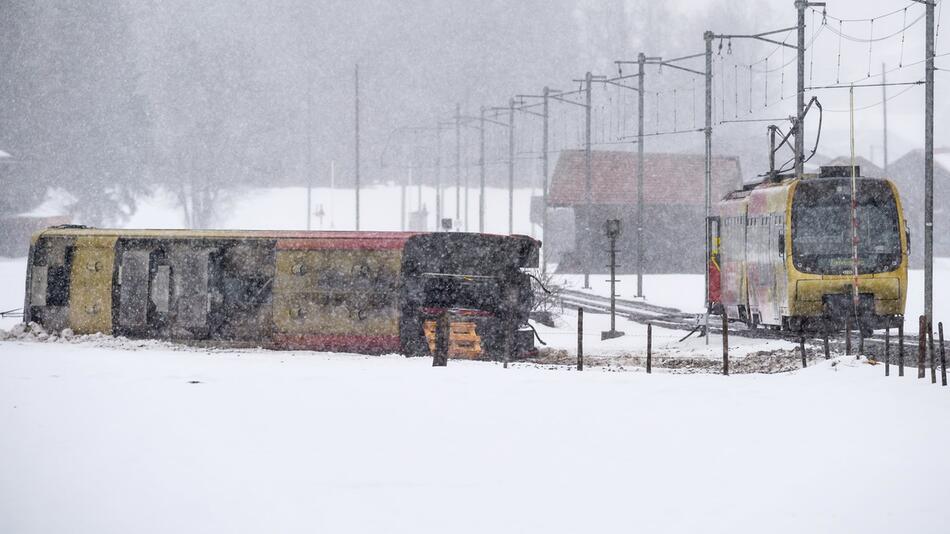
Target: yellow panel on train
90	308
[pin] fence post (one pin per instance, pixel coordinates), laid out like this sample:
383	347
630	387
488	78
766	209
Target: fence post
933	353
801	345
860	340
921	346
725	342
441	356
580	339
650	347
887	351
847	336
943	358
827	350
900	348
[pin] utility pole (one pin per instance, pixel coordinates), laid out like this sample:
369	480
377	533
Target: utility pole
707	173
587	180
545	96
929	164
307	126
511	166
458	162
438	176
402	199
481	171
544	178
357	93
641	61
884	103
800	6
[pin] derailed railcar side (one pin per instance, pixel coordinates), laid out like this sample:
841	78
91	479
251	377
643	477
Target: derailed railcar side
338	291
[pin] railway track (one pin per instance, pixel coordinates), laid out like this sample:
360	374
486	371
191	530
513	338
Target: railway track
675	319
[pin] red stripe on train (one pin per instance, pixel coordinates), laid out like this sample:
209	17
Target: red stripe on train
338	343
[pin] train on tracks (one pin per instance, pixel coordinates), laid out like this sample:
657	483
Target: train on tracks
366	292
783	256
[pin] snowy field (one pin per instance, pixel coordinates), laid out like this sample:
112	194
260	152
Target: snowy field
116	440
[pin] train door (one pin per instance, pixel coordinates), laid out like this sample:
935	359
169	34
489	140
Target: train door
714	273
90	299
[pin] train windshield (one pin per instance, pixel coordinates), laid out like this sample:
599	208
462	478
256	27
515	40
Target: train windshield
821	227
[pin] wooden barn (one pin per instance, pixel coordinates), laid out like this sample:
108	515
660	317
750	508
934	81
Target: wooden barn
673	227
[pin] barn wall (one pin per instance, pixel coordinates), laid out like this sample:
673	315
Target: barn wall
673	240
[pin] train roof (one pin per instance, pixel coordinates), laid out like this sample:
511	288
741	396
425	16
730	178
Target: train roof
283	235
786	181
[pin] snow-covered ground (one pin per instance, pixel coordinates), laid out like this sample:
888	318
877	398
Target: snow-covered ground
116	440
104	435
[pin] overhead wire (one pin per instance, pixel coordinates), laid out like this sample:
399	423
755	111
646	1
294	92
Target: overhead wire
840	32
888	14
878	103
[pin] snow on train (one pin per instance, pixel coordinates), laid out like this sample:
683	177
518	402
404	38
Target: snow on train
368	292
782	253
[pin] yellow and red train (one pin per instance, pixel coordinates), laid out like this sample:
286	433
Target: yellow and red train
784	257
369	292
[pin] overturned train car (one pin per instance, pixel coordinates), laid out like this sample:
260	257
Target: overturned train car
785	260
368	292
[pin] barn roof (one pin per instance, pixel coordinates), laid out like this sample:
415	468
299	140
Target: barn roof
673	179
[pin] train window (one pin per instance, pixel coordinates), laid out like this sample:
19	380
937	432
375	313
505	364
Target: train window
57	280
191	287
160	288
821	227
133	288
38	287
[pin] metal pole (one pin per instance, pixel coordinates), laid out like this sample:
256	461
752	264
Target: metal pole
481	171
708	36
800	6
402	200
587	184
544	182
458	163
357	93
511	166
929	166
884	103
438	177
580	339
641	59
307	120
613	284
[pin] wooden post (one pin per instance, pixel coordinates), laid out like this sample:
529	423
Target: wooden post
887	351
508	347
921	346
847	336
943	358
725	343
580	339
801	345
900	348
933	353
827	350
441	356
860	341
650	347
